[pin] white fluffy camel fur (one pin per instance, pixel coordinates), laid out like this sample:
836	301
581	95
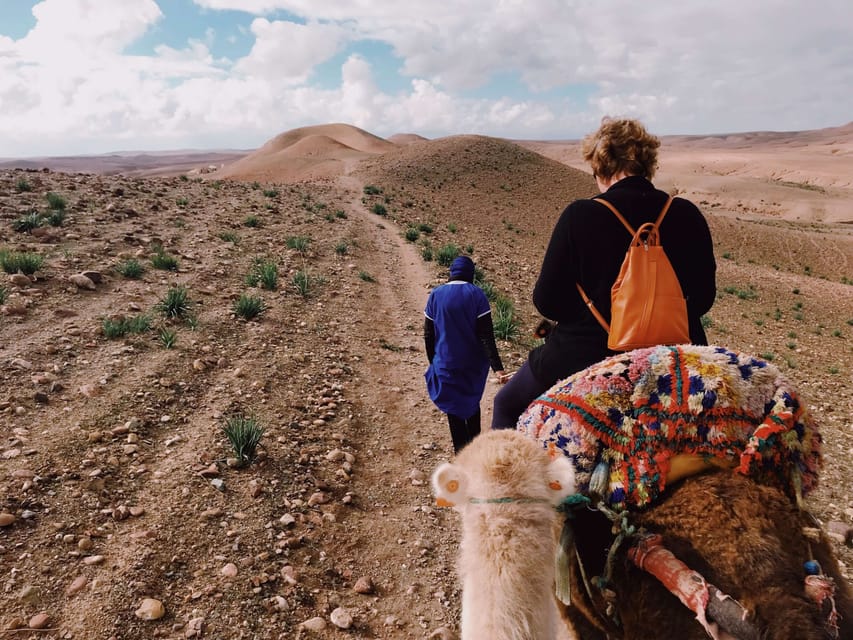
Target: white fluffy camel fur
505	487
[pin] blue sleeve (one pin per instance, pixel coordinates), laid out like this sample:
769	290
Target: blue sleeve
482	303
429	311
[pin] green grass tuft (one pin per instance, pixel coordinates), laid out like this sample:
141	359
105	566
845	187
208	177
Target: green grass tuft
248	306
244	434
131	268
298	243
162	260
25	262
263	273
55	201
119	327
175	304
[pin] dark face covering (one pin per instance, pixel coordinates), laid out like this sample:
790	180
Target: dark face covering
462	268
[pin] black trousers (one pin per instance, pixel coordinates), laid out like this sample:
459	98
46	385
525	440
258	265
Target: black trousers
463	430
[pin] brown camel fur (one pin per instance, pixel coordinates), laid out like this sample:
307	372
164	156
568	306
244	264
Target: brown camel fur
744	538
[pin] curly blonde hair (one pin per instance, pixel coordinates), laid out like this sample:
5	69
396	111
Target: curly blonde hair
621	144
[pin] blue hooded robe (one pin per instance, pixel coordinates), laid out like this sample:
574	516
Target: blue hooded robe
457	375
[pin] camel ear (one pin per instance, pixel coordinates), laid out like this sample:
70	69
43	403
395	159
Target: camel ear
449	485
561	478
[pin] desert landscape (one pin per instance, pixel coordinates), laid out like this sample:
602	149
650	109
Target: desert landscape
150	302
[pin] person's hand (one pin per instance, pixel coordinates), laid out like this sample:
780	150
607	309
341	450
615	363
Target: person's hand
502	376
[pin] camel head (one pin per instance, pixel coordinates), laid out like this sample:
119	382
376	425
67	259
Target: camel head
503	466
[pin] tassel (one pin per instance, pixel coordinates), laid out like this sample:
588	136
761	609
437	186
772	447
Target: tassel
562	568
599	483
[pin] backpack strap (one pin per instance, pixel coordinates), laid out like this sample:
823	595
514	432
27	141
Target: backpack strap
595	312
618	215
663	212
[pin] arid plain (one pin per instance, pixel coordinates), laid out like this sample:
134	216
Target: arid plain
114	470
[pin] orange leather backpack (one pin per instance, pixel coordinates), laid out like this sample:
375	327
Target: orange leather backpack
647	306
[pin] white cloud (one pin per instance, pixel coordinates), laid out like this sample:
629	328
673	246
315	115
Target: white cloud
70	30
287	52
70	86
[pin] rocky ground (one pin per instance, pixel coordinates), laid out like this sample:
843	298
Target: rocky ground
125	514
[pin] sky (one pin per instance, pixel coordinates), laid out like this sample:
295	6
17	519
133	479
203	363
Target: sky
97	76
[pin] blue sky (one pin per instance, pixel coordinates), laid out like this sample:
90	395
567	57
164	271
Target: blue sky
94	76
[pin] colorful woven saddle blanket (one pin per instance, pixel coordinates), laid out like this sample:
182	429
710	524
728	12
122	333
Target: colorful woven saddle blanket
639	410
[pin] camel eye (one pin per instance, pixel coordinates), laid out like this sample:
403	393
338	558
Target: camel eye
555	485
452	486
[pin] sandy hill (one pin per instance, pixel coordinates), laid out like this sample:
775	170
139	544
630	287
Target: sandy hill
480	192
307	153
403	139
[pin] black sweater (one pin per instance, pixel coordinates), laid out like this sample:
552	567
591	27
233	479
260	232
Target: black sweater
588	246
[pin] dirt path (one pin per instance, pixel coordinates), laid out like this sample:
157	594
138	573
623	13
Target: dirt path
395	536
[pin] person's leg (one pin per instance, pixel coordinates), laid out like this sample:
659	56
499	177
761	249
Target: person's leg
458	431
513	398
472	425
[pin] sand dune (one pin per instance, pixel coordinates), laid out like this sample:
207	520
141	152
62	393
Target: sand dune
307	153
403	139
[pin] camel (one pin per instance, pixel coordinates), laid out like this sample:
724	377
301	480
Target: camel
727	502
506	552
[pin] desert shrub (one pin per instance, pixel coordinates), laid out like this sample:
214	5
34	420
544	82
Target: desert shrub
119	327
447	254
340	213
175	304
372	190
244	434
424	227
55	201
342	248
270	193
168	337
131	268
301	281
426	253
3	295
22	185
182	202
451	227
162	260
248	306
364	275
26	262
506	324
252	222
412	234
744	294
487	287
379	209
298	243
263	273
27	223
229	236
56	218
